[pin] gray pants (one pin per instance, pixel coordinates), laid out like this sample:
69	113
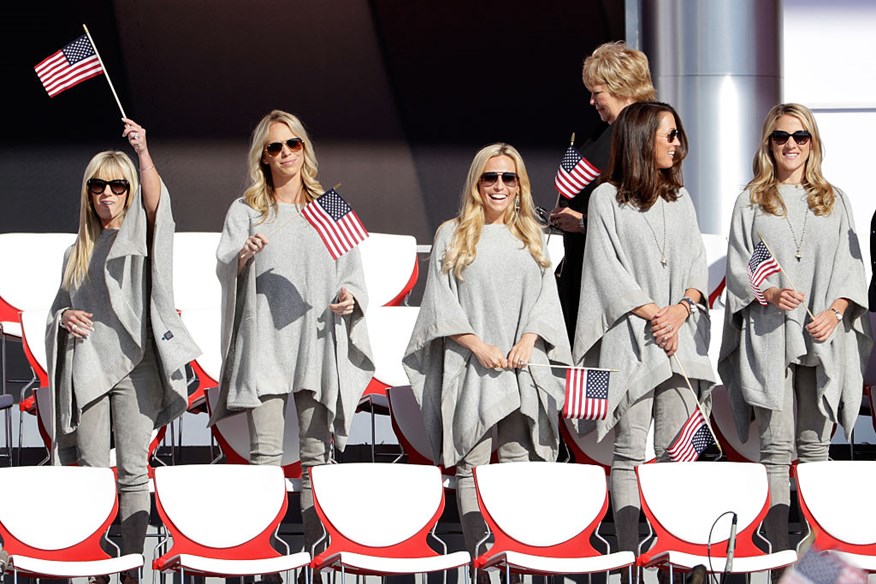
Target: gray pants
513	442
780	431
130	409
669	404
267	424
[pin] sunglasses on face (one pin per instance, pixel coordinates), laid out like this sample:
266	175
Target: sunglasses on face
671	135
490	178
119	186
293	144
801	137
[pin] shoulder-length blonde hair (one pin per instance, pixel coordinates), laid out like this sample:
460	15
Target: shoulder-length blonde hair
623	71
764	187
108	165
260	193
631	166
521	221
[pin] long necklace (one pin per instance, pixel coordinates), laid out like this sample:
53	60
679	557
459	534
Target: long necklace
662	249
798	244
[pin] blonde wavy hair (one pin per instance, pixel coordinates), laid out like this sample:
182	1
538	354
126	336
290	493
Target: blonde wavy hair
764	187
107	165
462	250
623	71
260	193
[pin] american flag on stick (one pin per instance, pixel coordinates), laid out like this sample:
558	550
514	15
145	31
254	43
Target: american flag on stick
574	173
586	393
692	441
761	266
337	224
69	66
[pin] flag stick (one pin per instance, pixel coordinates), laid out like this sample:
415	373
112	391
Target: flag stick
699	406
292	218
812	316
105	72
557	204
569	367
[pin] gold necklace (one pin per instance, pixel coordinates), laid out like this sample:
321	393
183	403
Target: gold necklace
662	249
798	244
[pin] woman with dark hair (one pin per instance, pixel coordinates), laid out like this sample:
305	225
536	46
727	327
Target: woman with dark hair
116	346
643	309
293	320
490	308
775	359
616	76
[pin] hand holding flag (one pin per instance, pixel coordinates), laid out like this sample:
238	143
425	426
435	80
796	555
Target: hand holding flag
337	224
761	266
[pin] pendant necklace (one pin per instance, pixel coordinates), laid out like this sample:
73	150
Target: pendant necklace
662	249
798	244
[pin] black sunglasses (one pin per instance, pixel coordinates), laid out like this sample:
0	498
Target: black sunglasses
490	178
293	144
671	135
118	186
801	137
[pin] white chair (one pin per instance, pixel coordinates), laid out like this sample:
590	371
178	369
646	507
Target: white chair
59	534
388	535
556	249
716	257
586	450
408	425
391	267
834	499
221	520
195	285
689	506
542	516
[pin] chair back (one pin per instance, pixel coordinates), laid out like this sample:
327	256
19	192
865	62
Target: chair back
198	502
407	423
72	509
195	284
378	509
833	498
587	450
563	506
716	257
683	501
391	268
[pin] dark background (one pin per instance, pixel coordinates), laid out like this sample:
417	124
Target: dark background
397	96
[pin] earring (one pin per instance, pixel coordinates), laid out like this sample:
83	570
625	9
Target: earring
517	204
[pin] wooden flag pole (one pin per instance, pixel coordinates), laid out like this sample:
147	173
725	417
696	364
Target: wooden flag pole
570	367
812	316
105	72
699	405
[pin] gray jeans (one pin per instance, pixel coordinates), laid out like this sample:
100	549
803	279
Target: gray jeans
130	410
513	442
669	405
780	431
267	424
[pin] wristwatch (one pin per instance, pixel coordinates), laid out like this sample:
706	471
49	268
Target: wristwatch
837	314
582	223
691	305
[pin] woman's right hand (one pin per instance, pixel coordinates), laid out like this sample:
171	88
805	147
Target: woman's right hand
783	298
489	356
253	245
77	322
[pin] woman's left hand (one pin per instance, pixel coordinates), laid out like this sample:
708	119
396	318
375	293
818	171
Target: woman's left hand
666	323
822	327
136	135
519	355
345	303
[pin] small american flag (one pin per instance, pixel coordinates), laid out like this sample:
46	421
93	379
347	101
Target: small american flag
574	174
337	224
693	439
586	393
761	266
70	66
817	567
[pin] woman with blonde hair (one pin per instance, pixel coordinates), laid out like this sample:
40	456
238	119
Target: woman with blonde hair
775	358
117	348
490	309
616	76
293	318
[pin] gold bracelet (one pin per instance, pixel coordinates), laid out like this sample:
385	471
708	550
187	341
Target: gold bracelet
147	168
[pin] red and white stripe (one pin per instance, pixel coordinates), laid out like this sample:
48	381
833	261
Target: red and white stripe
57	74
569	184
339	236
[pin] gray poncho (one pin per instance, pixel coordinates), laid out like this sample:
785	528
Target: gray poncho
278	334
130	308
761	341
622	271
504	293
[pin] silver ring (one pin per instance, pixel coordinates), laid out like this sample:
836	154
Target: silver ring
520	362
135	136
73	327
669	327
